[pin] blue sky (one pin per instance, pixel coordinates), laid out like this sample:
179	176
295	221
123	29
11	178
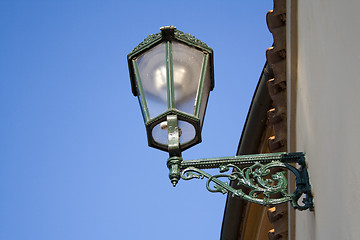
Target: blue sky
74	160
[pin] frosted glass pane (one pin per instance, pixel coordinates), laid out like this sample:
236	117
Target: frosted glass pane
160	132
187	131
187	64
152	69
205	93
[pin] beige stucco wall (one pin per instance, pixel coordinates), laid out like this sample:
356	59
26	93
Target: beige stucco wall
327	118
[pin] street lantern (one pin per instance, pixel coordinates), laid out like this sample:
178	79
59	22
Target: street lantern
172	74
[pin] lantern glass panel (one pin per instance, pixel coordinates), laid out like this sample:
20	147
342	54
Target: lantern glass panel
187	64
152	69
205	93
187	132
160	132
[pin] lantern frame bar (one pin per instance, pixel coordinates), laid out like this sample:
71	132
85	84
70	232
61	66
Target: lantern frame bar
201	85
142	100
169	75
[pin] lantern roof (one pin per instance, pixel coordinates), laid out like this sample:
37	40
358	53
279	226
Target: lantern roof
168	33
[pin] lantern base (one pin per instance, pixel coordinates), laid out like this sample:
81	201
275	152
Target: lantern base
160	123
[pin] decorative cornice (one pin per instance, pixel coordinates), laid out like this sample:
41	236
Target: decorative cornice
147	41
276	57
176	34
189	37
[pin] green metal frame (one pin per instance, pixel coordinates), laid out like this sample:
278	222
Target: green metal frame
170	75
252	174
168	35
201	86
141	94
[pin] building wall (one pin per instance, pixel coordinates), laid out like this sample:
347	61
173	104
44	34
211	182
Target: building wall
327	116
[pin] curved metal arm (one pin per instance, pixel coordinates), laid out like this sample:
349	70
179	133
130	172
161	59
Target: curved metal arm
262	185
252	172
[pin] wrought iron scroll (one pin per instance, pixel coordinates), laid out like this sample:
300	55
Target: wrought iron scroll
252	174
262	185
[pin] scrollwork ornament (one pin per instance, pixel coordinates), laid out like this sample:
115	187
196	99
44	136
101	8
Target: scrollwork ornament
189	37
147	41
259	181
178	34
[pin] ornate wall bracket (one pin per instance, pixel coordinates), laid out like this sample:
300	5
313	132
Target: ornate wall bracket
259	178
